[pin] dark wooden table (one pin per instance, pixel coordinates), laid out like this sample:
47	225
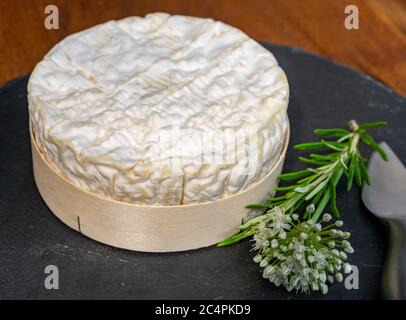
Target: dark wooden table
378	48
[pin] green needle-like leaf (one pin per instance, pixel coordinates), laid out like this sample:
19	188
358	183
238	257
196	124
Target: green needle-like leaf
334	145
333	195
316	190
310	146
259	206
313	161
335	132
357	172
364	171
350	178
236	238
317	198
369	141
274	199
370	125
287	188
294	175
324	157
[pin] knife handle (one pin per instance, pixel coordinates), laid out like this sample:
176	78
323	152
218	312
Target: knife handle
394	272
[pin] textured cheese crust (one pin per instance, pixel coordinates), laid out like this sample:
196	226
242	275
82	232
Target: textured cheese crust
103	101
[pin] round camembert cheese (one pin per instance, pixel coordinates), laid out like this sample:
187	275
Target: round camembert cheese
161	110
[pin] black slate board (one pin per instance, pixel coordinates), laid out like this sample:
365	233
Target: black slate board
323	94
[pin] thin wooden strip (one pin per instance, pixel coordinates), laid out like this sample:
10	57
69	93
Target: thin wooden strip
147	228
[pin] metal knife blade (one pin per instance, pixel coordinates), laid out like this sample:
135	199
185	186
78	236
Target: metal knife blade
386	196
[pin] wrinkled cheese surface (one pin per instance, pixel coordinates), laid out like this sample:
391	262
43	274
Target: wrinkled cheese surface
104	104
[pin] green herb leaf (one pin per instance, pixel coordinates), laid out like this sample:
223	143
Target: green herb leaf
335	132
357	172
316	190
287	188
236	238
259	206
334	145
313	161
310	146
294	175
364	171
350	178
324	157
369	141
333	195
370	125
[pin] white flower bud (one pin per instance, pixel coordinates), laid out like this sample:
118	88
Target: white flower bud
295	216
266	273
347	268
324	288
339	277
323	277
269	268
311	259
331	244
343	255
282	235
326	217
346	244
263	263
265	243
330	268
274	243
349	250
310	208
317	227
339	223
340	234
314	285
330	278
303	236
317	238
257	258
335	252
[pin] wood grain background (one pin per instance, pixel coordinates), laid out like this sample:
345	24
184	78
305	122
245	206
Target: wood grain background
377	48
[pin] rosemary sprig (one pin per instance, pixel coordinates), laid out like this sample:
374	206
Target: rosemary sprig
316	185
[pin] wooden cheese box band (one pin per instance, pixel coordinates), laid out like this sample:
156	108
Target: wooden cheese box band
143	227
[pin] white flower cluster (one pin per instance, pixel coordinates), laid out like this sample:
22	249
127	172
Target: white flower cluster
302	255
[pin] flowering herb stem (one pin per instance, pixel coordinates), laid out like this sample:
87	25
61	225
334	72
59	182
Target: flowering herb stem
317	184
301	254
